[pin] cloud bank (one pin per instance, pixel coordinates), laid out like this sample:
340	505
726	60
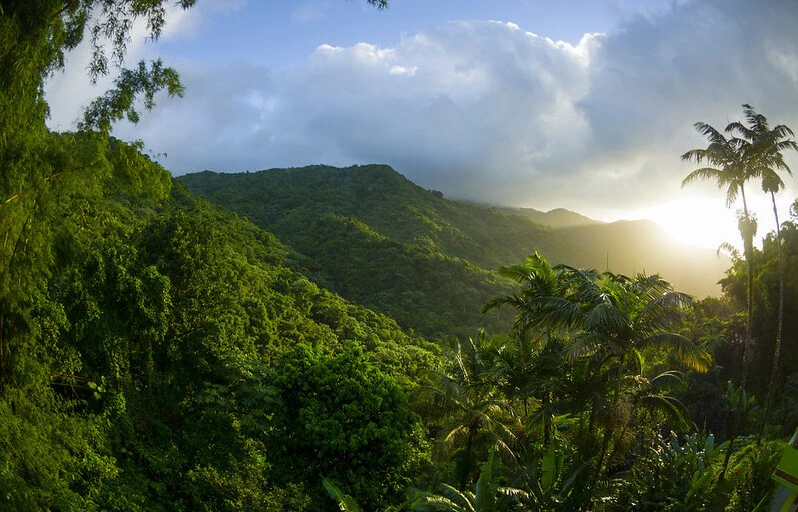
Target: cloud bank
488	111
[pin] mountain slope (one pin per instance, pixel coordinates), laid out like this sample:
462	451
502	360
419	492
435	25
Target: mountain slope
378	239
557	218
284	200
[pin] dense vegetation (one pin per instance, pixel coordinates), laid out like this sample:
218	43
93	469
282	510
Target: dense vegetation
367	236
380	240
160	353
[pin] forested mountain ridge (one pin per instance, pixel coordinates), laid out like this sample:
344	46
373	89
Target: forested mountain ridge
285	200
556	218
290	202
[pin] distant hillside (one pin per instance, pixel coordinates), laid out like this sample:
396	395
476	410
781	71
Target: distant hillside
286	200
636	246
378	239
557	218
633	246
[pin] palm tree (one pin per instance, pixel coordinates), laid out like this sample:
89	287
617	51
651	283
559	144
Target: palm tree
611	319
345	502
762	148
468	409
482	499
616	319
539	281
730	172
530	364
537	363
726	166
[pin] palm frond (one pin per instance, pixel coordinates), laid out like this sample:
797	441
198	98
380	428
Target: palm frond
659	312
674	410
518	495
345	502
433	503
682	349
587	344
706	174
739	128
462	499
709	132
553	313
781	132
455	435
605	317
488	483
729	250
670	379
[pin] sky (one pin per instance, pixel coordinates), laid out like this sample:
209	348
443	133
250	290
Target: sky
578	104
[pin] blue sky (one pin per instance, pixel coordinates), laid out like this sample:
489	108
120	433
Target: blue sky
281	33
585	105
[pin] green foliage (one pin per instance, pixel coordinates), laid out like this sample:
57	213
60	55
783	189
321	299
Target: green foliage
375	238
673	475
764	325
340	416
157	353
138	337
345	502
51	454
467	411
750	471
119	102
488	494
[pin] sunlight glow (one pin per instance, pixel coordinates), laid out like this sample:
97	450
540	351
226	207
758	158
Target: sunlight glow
704	222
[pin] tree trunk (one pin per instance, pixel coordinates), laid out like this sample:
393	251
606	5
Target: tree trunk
605	442
747	231
777	347
546	419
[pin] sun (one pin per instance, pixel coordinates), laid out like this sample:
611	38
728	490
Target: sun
695	221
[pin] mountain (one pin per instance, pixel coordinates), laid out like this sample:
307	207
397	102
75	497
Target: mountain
557	218
285	201
634	246
378	239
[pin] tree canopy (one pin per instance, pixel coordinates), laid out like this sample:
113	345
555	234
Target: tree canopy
158	352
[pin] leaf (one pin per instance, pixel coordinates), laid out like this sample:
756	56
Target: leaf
488	483
345	502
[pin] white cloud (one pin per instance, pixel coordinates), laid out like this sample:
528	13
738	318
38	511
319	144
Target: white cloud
491	112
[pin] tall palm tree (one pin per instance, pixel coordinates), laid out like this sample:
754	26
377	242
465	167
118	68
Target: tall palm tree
616	318
728	169
725	165
762	149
